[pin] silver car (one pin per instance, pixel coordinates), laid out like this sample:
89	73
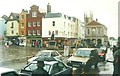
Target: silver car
47	53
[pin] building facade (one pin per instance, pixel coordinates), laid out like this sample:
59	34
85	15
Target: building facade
63	26
34	27
2	29
22	27
12	28
96	34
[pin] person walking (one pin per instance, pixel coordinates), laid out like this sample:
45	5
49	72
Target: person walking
116	62
40	70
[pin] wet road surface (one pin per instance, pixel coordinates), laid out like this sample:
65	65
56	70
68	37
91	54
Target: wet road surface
16	57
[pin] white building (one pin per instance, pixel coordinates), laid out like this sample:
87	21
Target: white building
63	26
2	28
12	27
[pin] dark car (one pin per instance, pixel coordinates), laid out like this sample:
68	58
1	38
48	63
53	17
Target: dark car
84	58
53	67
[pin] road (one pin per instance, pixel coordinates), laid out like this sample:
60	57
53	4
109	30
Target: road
16	58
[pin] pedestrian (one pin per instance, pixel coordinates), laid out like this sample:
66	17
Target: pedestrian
114	49
116	62
94	54
40	70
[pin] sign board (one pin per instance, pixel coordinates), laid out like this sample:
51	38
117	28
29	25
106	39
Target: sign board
66	50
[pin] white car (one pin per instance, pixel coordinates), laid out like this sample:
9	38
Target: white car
46	53
8	72
52	66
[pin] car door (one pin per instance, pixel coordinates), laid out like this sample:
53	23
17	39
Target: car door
62	69
12	73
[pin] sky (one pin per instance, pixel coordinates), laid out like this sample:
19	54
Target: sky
106	11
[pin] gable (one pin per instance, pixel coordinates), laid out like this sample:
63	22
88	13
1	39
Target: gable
94	23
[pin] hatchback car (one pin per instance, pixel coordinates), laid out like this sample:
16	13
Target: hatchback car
53	67
8	72
83	57
47	53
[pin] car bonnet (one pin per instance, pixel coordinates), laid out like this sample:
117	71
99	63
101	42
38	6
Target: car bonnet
78	59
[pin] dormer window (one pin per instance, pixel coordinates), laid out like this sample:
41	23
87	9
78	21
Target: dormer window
34	14
11	17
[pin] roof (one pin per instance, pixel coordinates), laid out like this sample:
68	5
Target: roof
94	23
4	70
1	19
15	16
47	62
86	48
53	15
47	50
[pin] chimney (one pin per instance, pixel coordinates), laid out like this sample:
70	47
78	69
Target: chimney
48	8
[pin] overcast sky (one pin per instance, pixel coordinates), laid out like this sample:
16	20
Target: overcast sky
106	11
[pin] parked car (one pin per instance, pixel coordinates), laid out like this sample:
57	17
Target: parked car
48	53
81	58
8	72
53	67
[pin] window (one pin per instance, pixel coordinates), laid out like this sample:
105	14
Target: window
29	32
11	17
53	23
22	32
22	26
56	32
88	31
49	32
12	25
64	24
93	30
22	16
29	24
34	32
34	14
38	32
38	23
34	24
99	30
12	32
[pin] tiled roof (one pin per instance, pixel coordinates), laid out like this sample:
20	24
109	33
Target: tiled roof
53	15
15	16
94	23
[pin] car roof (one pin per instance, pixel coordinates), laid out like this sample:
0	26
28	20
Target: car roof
48	50
89	49
4	70
47	62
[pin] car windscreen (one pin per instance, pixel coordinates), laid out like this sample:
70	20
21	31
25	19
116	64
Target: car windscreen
83	53
43	54
33	66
